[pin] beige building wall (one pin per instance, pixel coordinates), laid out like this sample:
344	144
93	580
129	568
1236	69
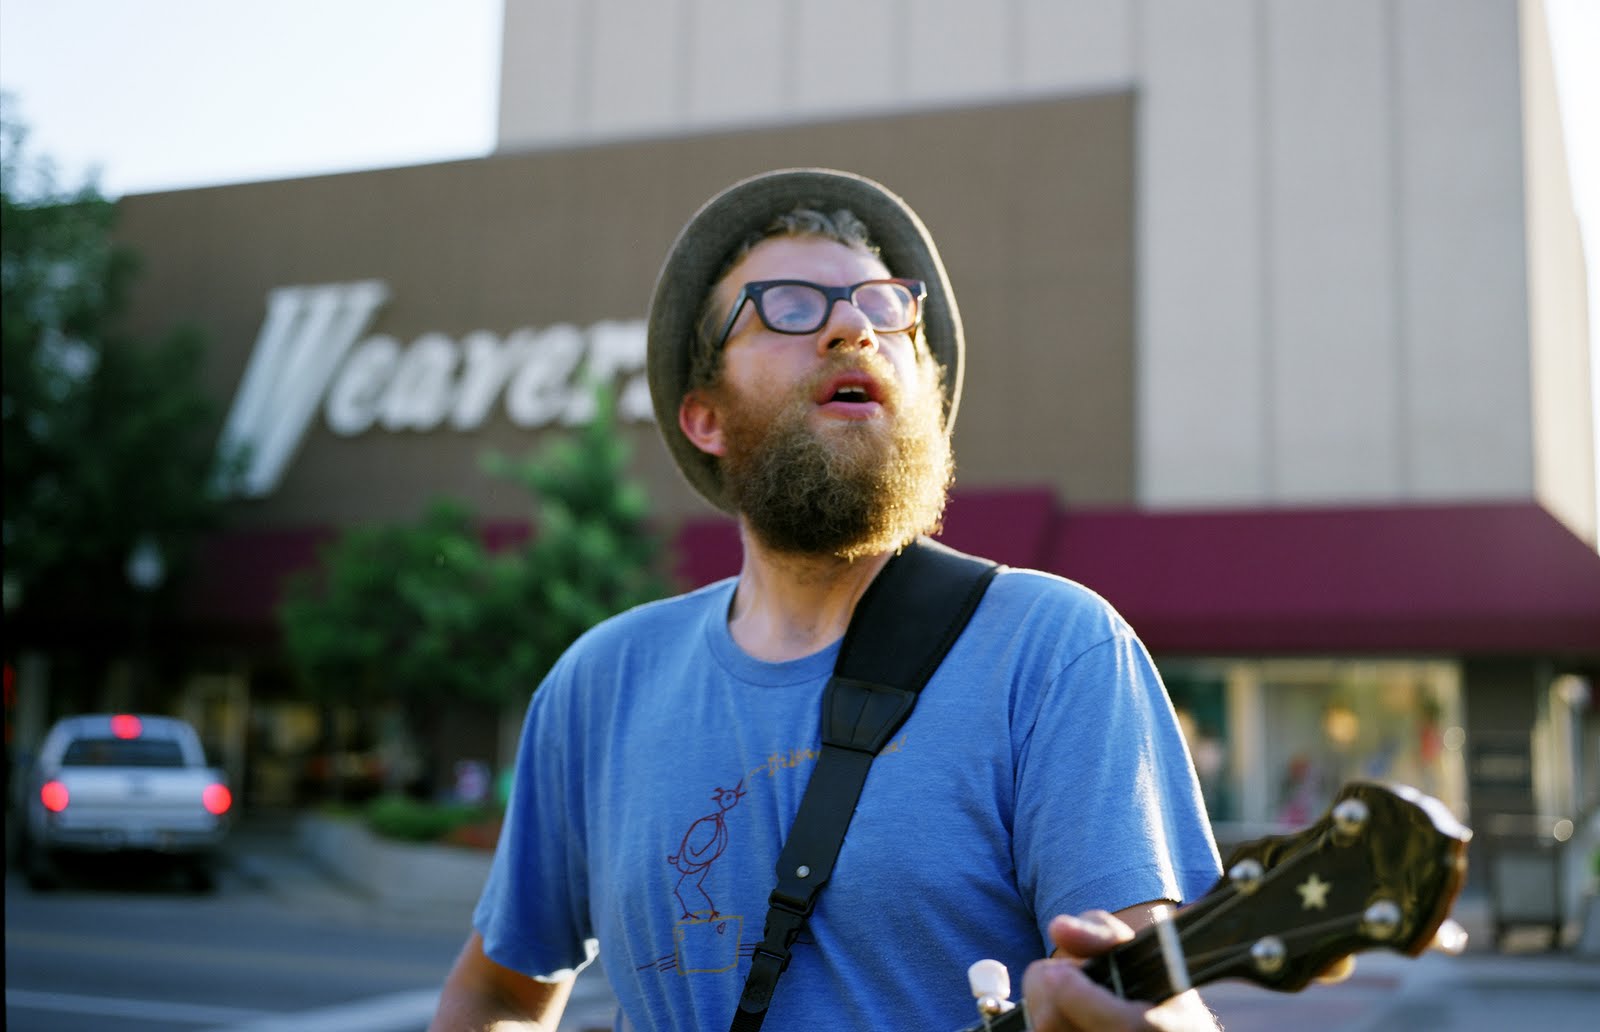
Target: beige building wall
1033	204
575	71
1367	327
1564	432
1357	274
1204	365
1461	202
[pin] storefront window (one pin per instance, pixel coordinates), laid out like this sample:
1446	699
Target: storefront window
1200	698
1273	740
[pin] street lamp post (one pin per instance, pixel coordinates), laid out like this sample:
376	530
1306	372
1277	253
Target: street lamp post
146	569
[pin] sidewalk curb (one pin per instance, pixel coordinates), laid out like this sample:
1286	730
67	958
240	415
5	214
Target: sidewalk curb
337	866
396	874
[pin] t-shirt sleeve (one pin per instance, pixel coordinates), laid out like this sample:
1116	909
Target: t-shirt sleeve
533	913
1109	812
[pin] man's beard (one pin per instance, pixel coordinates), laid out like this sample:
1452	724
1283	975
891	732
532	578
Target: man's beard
853	489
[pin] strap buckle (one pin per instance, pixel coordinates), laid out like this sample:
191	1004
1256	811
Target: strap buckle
784	922
771	958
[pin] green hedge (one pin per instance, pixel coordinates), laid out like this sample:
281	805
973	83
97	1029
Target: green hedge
414	820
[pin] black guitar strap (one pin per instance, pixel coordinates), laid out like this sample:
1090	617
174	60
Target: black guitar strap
905	623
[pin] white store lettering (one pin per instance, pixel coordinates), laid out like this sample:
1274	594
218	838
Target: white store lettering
421	391
490	362
306	333
307	353
616	349
354	399
537	394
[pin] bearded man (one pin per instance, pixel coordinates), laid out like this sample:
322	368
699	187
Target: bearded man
805	362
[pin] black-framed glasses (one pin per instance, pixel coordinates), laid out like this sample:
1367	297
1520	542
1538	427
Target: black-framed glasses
800	306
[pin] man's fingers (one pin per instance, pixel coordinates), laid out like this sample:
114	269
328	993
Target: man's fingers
1088	934
1062	999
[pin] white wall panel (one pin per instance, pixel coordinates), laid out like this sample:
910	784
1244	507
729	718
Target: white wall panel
637	75
1076	44
1329	289
1201	363
1462	253
848	56
1563	408
959	49
543	78
590	70
740	57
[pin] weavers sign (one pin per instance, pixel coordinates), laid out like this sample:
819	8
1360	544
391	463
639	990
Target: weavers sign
311	354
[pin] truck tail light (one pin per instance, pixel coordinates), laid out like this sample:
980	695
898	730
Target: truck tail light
53	794
217	799
126	725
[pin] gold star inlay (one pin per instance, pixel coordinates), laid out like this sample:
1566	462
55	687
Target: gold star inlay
1314	893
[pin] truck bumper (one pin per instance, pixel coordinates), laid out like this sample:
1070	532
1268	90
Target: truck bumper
176	841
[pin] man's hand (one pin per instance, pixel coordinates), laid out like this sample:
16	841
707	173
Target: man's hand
1062	999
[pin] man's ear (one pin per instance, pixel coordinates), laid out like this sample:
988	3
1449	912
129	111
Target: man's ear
701	423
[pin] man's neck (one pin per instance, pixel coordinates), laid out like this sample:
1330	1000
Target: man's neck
790	605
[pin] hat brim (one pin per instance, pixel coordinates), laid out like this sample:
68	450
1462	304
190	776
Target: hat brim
722	224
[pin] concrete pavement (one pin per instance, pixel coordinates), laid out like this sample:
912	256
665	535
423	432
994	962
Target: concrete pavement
1479	991
1527	986
265	851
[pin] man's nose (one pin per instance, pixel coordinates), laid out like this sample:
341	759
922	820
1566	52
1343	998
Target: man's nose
847	326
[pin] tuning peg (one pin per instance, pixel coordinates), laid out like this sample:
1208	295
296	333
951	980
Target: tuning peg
1350	819
1451	938
991	987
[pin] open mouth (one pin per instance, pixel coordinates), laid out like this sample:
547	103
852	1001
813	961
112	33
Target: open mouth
855	388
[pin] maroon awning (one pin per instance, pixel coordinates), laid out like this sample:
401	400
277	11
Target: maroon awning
1470	579
1430	578
1506	578
240	575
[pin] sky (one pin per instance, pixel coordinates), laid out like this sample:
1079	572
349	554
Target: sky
167	94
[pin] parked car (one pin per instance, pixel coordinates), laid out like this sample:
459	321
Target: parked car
123	783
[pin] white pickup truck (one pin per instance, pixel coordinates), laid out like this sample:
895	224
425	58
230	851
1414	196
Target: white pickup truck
115	783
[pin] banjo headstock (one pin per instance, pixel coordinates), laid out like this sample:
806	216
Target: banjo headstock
1380	870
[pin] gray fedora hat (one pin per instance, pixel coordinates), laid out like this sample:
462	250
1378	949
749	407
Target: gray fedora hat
747	207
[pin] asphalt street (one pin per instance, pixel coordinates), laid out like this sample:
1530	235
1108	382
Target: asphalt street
282	946
1480	991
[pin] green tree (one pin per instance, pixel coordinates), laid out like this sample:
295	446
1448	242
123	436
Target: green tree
593	553
366	623
108	441
425	614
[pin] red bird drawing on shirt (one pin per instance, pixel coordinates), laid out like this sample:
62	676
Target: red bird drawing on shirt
702	844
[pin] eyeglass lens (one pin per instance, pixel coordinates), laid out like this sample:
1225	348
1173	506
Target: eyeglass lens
804	308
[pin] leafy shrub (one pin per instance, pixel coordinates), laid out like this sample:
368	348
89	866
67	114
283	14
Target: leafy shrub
414	820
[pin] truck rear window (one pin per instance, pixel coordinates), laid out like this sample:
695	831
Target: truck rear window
123	752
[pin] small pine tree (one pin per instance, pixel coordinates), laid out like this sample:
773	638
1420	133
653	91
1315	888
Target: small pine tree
593	553
426	615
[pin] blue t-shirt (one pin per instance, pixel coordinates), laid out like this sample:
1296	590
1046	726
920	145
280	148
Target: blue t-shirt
1041	772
